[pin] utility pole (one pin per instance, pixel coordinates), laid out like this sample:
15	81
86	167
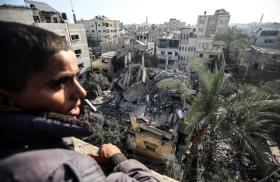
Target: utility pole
74	16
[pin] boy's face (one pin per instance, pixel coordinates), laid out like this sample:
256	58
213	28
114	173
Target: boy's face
54	90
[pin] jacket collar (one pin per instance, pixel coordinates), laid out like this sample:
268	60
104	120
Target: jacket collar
20	129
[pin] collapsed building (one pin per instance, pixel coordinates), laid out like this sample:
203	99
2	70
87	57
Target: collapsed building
152	102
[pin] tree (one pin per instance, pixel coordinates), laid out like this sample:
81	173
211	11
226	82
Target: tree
236	119
235	41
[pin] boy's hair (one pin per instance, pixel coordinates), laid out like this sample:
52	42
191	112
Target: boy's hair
25	51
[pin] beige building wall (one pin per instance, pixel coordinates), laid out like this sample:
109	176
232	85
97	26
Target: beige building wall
17	14
102	29
151	147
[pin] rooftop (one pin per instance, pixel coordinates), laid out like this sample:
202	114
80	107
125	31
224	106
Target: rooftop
266	50
41	6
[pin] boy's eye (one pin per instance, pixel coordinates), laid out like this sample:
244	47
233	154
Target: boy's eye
60	83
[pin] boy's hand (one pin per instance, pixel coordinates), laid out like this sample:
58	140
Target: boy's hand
105	152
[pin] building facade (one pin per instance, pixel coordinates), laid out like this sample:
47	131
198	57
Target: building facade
43	13
167	48
19	14
267	38
75	34
188	42
173	25
209	25
264	64
101	29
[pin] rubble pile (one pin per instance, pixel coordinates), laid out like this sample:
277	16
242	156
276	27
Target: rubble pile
157	97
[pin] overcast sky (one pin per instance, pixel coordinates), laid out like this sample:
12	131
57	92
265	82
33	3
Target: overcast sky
159	11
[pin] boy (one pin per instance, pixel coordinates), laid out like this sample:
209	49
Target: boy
39	103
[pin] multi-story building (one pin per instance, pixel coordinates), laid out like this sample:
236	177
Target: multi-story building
75	34
101	29
167	48
19	14
188	43
104	63
209	25
264	64
267	38
173	25
43	13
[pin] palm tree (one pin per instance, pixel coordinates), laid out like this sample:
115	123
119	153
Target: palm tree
235	41
201	109
238	118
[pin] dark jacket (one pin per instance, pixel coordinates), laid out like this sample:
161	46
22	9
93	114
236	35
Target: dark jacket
35	148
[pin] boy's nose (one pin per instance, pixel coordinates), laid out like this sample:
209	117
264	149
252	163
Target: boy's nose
79	91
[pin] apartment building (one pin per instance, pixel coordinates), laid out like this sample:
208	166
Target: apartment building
264	63
173	25
44	16
101	29
267	38
43	13
209	25
167	48
19	14
188	43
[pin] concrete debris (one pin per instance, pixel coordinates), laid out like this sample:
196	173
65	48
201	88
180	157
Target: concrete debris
136	91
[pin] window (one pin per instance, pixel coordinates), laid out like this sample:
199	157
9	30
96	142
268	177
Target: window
162	53
48	19
269	41
169	53
78	52
272	70
176	54
150	146
75	37
201	55
92	31
55	20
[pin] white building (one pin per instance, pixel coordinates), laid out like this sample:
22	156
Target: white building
267	38
188	43
75	34
173	25
101	29
43	13
209	25
104	63
167	48
19	14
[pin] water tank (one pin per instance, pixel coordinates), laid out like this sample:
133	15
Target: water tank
64	16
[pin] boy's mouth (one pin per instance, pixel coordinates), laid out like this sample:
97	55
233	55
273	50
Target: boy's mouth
75	111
